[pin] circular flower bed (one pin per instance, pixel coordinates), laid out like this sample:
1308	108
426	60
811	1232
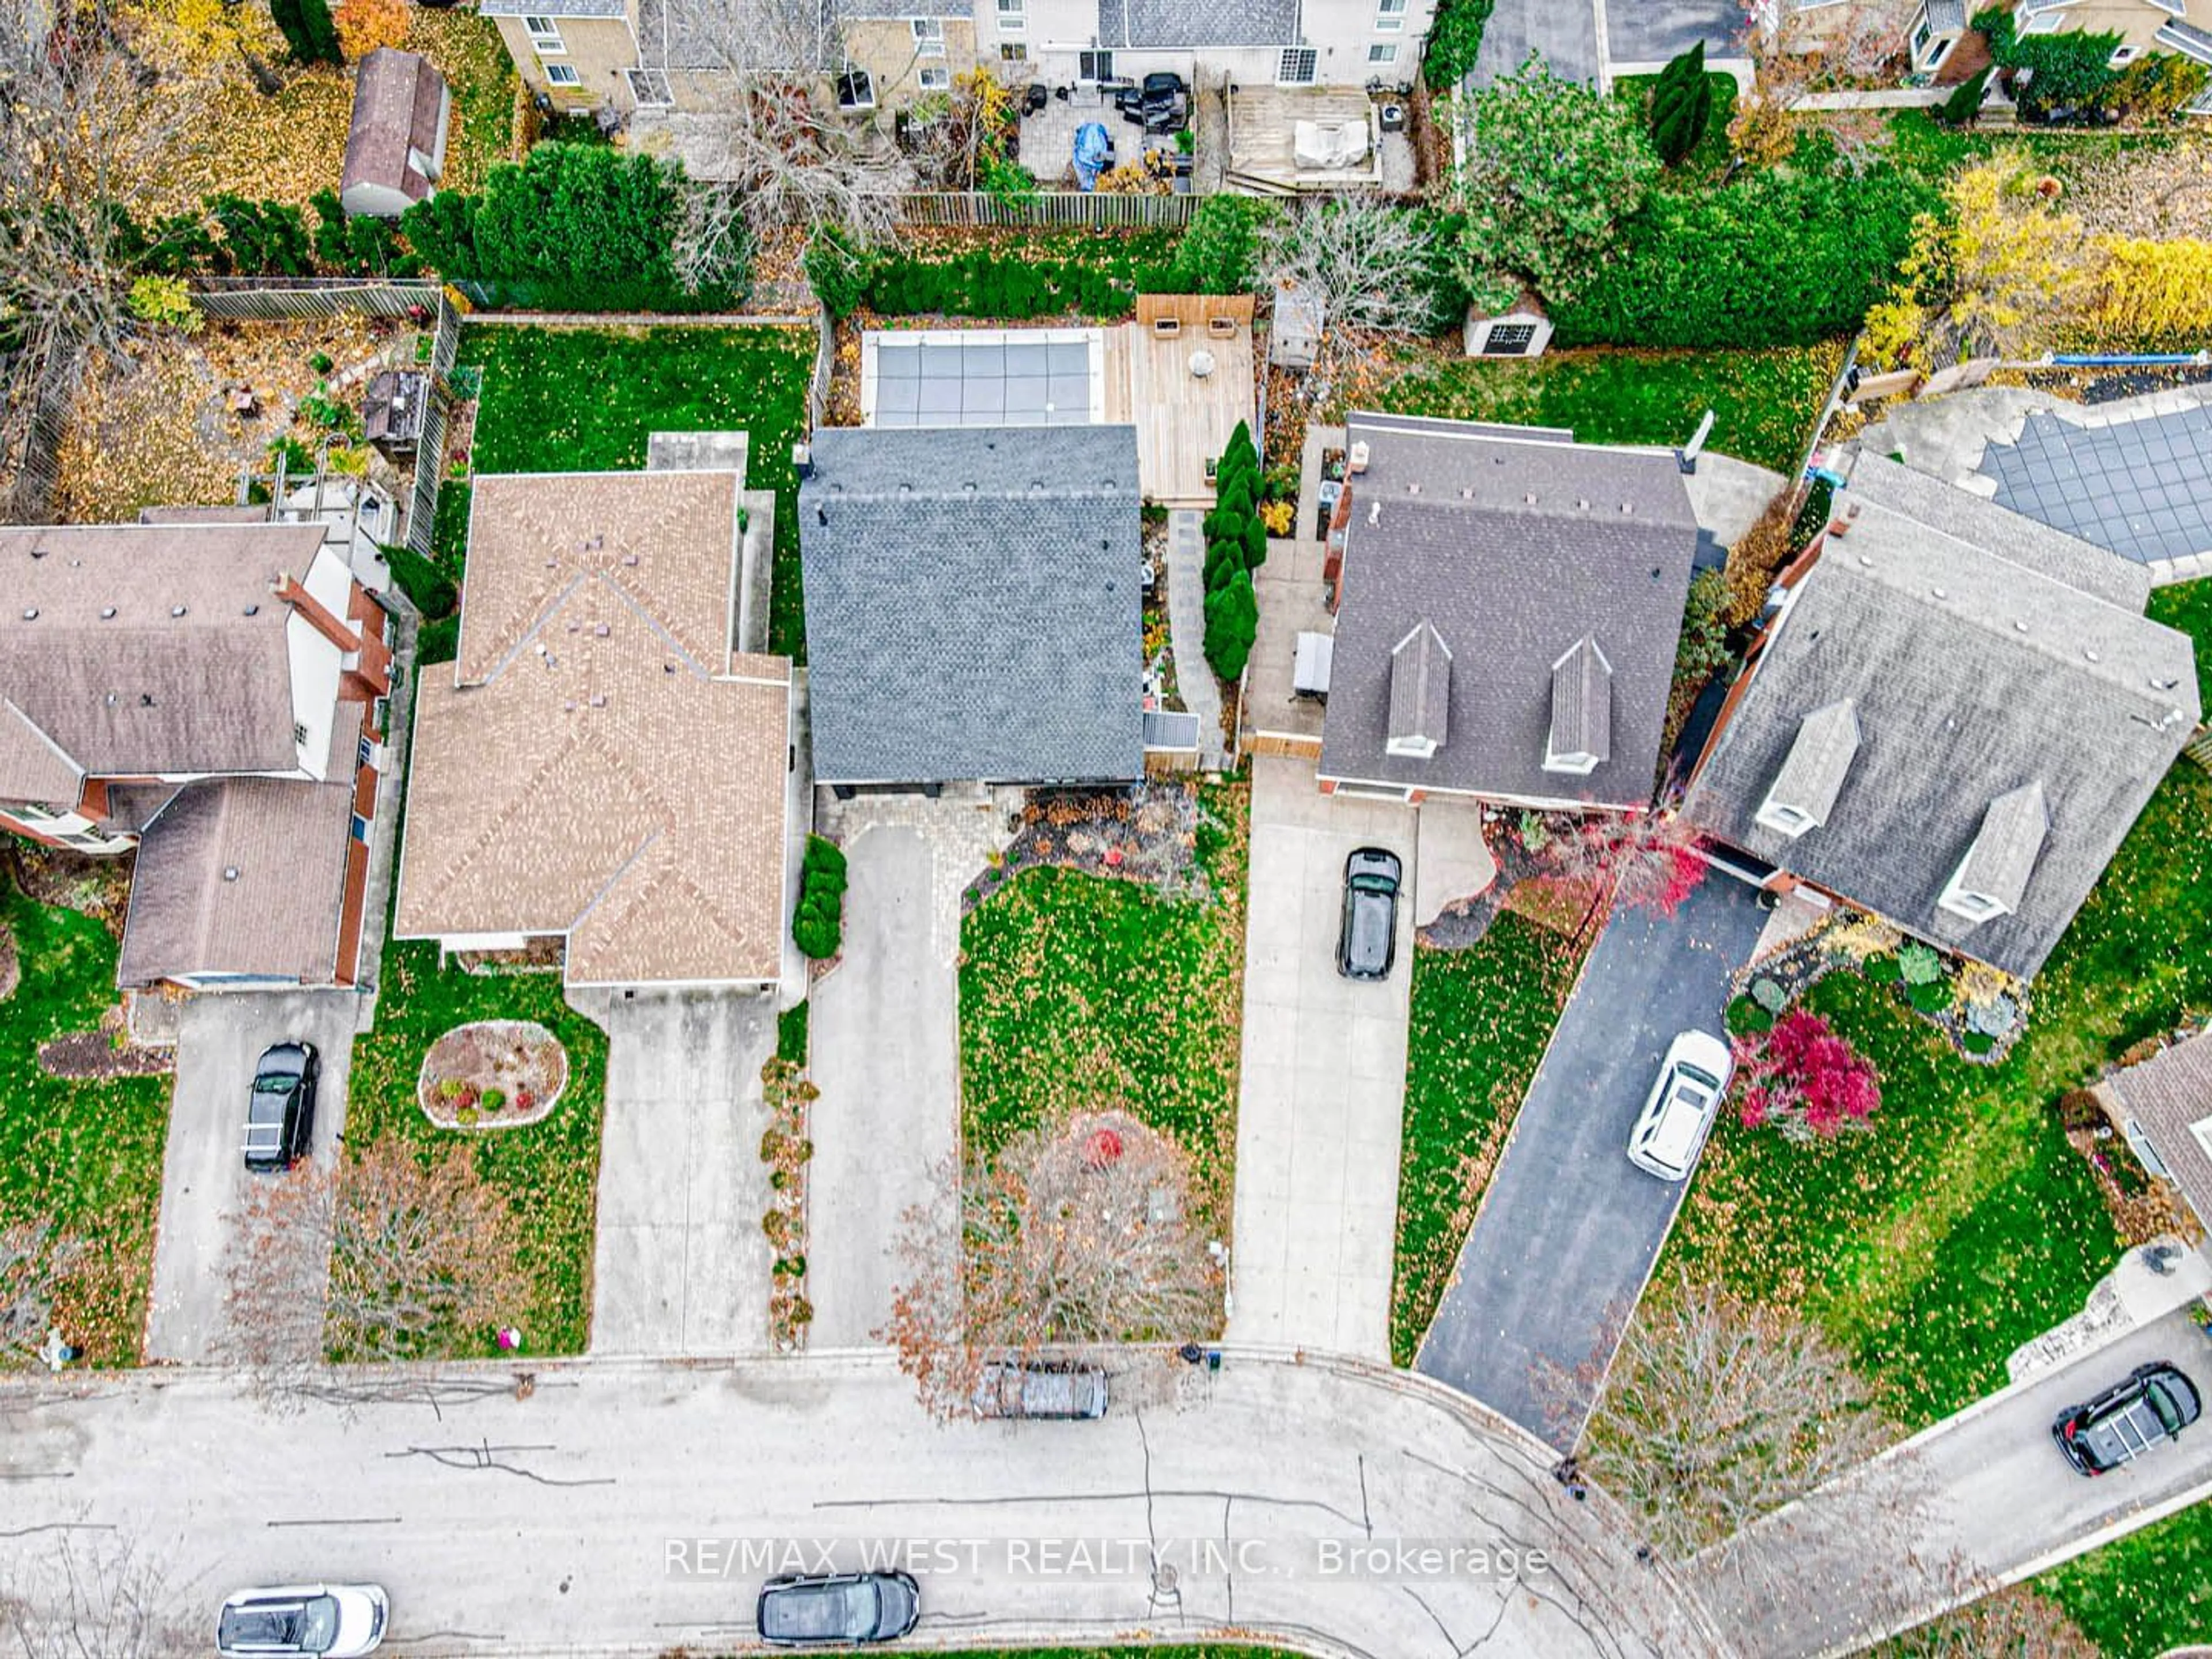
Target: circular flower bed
492	1074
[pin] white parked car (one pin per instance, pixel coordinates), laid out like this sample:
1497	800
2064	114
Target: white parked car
331	1621
1670	1131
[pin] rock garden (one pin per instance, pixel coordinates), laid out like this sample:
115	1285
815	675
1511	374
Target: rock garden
492	1074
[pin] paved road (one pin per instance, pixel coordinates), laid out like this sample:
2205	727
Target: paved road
1563	32
681	1266
1319	1112
220	1036
2005	1505
548	1525
1568	1228
884	1043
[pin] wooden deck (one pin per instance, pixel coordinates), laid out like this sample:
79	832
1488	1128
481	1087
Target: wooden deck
1263	137
1120	406
1183	420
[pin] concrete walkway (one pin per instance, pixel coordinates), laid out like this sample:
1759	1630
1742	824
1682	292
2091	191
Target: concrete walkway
883	1044
220	1037
681	1264
1318	1116
1187	633
600	1516
2001	1504
1568	1229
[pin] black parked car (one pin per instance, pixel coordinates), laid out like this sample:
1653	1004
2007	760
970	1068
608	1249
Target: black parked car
836	1609
2154	1404
1367	943
280	1116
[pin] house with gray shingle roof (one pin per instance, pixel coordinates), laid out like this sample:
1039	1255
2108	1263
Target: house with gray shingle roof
973	605
1951	719
1508	606
2165	1110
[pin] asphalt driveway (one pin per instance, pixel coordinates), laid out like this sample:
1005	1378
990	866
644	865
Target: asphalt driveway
680	1264
1563	32
220	1036
884	1050
1653	31
1568	1228
1323	1081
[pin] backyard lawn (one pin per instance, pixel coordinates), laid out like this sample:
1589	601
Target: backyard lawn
580	400
549	1171
2142	1594
1764	402
1482	1018
86	1156
1088	992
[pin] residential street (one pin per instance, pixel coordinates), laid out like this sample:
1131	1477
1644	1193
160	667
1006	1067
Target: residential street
574	1523
682	1264
1569	1227
1323	1081
884	1046
203	1180
2004	1505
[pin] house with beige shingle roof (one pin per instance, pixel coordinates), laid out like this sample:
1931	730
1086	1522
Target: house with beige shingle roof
210	691
601	763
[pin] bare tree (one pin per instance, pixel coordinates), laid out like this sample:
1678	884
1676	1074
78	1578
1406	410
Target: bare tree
1796	51
89	1598
1648	861
1715	1412
384	1259
1079	1235
36	1257
1368	264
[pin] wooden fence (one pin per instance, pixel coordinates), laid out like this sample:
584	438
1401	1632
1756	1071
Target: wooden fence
269	299
971	209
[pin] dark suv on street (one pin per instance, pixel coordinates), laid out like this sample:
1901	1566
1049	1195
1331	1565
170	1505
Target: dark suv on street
280	1114
1367	943
2154	1404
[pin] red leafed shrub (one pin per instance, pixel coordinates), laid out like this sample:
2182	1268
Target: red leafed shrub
1803	1079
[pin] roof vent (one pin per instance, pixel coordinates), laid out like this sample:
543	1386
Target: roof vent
1936	593
176	610
1628	507
30	613
230	873
1374	511
2020	627
1580	504
599	699
1356	461
2090	653
1466	495
252	610
629	559
107	613
1414	487
553	563
1530	498
603	630
145	699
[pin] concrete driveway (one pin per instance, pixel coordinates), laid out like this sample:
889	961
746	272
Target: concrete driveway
220	1036
1568	1228
883	1044
2006	1506
681	1264
1318	1116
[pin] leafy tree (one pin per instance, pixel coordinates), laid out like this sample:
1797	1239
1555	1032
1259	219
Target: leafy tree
837	270
1232	622
1805	1080
2150	296
262	238
1681	106
1455	42
2160	83
818	925
1547	170
1219	252
1963	107
308	30
2065	70
365	25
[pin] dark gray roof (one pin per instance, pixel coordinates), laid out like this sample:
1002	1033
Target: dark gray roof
1972	676
1947	17
973	604
2141	487
2005	848
1420	687
1820	758
1198	23
1443	529
2166	1095
1582	703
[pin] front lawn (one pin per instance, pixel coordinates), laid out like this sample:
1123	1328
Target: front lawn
548	1171
1208	1651
2142	1594
581	400
1482	1018
1961	1226
84	1155
1092	992
1764	402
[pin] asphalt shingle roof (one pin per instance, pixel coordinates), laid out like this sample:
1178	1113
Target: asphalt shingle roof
1443	530
2168	1095
1972	674
2141	487
1198	22
973	601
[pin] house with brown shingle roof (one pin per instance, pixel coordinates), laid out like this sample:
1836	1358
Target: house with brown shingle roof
396	145
601	764
2166	1112
210	692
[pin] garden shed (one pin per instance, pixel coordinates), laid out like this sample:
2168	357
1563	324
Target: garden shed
1522	331
396	146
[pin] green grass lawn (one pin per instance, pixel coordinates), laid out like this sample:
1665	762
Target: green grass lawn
1764	402
2140	1595
549	1171
1206	1650
1961	1224
1920	143
2188	606
86	1156
1081	992
1480	1019
580	400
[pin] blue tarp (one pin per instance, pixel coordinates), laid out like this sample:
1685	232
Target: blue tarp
1092	148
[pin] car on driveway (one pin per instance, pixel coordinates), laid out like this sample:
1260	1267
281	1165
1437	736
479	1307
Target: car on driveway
2154	1404
1044	1389
1367	942
331	1621
1671	1129
838	1609
280	1114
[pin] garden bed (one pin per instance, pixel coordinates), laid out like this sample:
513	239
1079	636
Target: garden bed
103	1053
492	1074
1148	834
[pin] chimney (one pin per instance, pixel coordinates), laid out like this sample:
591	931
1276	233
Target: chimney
1837	527
1358	457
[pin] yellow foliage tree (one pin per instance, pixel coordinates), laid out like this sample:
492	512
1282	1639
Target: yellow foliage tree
2149	296
209	34
365	25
